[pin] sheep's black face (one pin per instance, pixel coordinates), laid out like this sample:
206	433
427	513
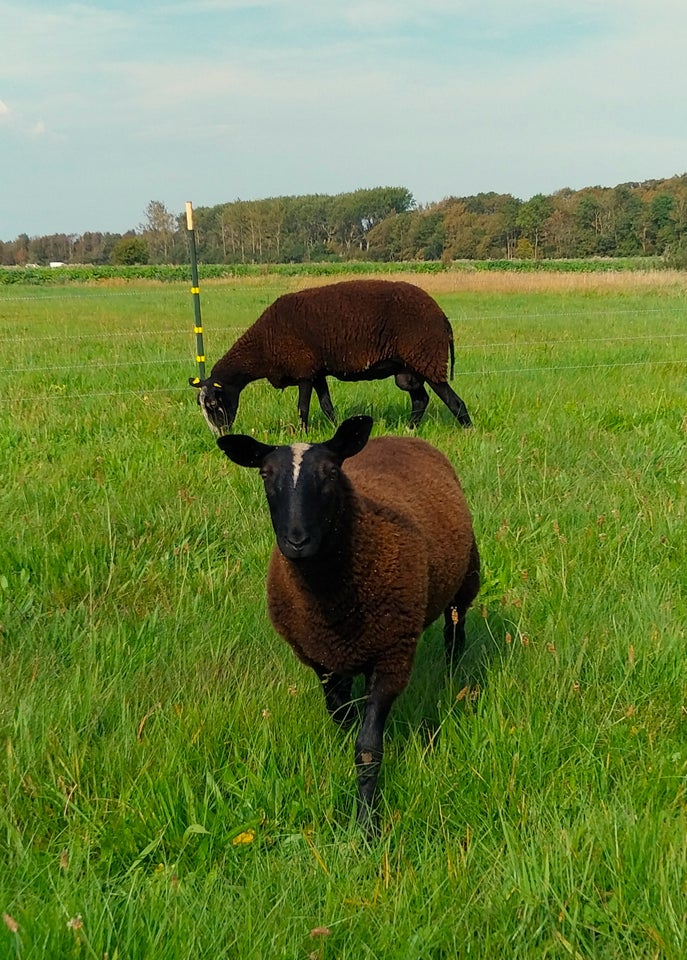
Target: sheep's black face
303	490
218	403
303	483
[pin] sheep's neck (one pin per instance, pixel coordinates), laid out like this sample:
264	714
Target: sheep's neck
328	578
241	364
329	571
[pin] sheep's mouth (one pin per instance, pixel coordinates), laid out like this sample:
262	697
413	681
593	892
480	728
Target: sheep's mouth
303	549
218	428
218	431
214	414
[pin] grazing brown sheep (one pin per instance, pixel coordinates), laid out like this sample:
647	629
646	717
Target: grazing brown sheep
369	552
353	330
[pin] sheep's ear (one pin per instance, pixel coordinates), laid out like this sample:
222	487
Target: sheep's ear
244	450
195	382
350	438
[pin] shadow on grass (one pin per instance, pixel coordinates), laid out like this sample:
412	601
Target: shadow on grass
433	685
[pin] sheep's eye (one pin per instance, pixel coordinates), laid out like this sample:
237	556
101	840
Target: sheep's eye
333	472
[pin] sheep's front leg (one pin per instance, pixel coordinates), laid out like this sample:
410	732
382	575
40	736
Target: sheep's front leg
322	390
369	750
337	696
304	394
419	397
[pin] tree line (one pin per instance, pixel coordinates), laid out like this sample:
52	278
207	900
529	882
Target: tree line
386	224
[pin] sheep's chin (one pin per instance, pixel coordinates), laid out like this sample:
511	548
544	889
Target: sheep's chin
218	430
297	555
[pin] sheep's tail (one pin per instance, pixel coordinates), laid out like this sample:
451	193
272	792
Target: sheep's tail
451	350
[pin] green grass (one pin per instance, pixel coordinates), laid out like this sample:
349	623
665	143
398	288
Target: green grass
151	722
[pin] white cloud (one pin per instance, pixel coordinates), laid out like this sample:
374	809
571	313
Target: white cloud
4	111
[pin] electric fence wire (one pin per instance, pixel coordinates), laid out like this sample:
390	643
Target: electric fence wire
143	392
460	348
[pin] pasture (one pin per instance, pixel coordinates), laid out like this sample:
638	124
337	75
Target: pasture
171	784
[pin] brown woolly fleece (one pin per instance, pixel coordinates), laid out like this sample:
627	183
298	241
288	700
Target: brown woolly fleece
403	551
342	329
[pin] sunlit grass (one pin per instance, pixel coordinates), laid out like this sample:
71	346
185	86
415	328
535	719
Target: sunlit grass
171	784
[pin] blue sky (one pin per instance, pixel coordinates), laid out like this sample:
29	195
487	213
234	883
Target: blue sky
105	106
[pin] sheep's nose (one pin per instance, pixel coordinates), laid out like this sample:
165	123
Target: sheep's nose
298	542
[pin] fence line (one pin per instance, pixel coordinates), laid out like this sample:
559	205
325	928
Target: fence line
142	393
96	295
639	311
87	366
459	347
96	336
456	320
177	291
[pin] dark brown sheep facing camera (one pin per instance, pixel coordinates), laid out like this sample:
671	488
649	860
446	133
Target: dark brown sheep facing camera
374	542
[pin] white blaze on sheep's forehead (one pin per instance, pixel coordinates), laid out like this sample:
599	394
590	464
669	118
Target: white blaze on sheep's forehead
297	451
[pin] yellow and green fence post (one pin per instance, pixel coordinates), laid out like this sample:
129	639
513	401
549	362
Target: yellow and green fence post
195	292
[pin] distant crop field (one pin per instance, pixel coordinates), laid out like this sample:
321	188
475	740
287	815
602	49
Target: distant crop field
171	785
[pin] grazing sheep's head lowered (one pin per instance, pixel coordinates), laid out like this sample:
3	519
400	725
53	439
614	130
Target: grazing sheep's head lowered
218	401
303	482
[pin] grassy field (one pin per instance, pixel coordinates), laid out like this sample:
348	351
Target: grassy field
171	785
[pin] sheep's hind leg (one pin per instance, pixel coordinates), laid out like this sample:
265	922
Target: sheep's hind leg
454	615
322	390
454	634
452	401
337	697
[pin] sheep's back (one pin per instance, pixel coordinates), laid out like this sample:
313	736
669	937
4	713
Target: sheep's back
414	481
345	328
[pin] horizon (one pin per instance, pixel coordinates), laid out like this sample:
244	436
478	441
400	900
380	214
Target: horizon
181	213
